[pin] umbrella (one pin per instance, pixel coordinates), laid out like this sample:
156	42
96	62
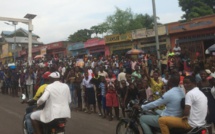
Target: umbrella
211	48
39	56
135	52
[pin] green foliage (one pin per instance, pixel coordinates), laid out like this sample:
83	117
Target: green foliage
120	22
80	35
196	8
124	21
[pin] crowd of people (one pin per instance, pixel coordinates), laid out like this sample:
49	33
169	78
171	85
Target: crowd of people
100	84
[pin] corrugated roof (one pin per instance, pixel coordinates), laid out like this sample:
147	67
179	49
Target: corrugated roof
21	40
20	29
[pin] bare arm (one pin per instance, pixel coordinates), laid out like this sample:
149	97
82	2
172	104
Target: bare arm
187	110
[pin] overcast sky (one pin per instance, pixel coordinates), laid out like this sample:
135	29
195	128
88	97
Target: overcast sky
57	19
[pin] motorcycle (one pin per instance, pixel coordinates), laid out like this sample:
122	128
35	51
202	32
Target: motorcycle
56	126
131	125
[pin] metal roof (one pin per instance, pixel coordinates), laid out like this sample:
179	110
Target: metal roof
18	30
21	40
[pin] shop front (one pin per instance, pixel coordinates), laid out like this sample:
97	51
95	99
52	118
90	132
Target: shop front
145	39
77	49
119	44
95	47
56	49
6	55
193	36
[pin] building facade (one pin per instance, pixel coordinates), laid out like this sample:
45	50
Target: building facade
119	43
193	36
77	49
145	39
95	47
12	42
55	49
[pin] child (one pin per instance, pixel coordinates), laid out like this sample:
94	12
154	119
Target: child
112	101
102	86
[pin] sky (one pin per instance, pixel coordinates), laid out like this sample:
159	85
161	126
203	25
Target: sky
57	19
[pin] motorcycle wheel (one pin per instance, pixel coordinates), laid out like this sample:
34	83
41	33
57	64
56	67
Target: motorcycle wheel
123	128
24	128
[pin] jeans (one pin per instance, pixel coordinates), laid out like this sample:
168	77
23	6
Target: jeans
148	121
74	97
29	124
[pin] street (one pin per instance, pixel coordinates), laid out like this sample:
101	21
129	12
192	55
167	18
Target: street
12	111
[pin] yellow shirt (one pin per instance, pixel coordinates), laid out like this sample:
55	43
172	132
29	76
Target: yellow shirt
156	87
40	91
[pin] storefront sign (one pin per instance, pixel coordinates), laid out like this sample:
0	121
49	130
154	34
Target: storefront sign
76	46
43	51
4	50
36	49
195	24
121	46
23	52
94	42
118	38
55	45
144	33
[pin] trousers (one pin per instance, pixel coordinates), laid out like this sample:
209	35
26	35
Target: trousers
168	122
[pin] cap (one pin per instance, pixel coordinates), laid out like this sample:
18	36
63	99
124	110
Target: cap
55	75
46	75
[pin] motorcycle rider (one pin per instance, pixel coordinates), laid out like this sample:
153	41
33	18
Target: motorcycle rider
195	109
172	99
31	102
57	97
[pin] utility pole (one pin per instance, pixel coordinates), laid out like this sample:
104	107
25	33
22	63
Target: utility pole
156	34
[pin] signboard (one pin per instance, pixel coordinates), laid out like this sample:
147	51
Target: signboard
144	33
118	38
76	46
43	51
94	42
195	24
4	50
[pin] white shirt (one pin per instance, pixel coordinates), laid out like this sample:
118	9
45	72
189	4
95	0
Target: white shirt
102	73
177	50
199	106
87	83
164	80
29	81
63	70
57	97
121	76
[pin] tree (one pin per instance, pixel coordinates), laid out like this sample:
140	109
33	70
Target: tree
124	21
119	21
80	36
141	21
196	8
95	29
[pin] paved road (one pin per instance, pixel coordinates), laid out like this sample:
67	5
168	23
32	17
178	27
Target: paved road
11	115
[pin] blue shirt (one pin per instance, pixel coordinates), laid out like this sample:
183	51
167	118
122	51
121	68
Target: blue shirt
172	100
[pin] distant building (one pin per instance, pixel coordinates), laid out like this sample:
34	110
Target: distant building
12	42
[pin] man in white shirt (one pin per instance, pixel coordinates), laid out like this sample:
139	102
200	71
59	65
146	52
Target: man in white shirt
195	110
102	72
57	97
177	49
